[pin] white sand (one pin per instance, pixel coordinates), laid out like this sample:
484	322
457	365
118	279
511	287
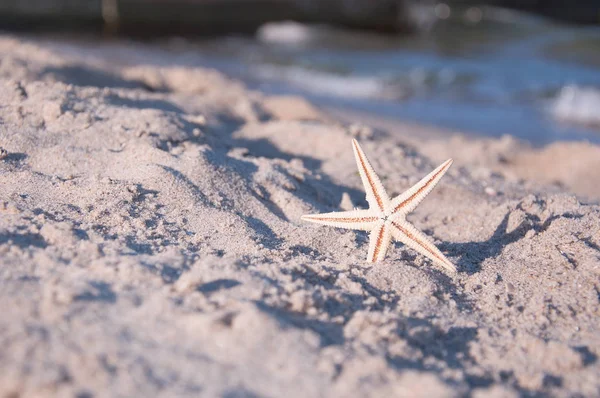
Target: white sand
151	245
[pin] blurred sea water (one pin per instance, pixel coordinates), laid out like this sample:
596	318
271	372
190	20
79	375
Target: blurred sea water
479	71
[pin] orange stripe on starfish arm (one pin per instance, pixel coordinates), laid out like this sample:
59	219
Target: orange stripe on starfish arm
378	243
423	188
413	238
363	165
343	219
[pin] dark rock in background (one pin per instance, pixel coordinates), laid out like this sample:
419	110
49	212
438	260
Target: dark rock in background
199	16
223	16
156	17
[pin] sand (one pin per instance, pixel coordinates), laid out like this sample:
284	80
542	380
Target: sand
151	245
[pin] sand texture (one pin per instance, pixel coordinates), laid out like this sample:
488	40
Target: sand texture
151	246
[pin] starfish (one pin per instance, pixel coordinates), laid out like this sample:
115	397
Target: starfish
386	218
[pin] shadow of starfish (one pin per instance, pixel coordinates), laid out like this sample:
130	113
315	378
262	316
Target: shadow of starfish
473	254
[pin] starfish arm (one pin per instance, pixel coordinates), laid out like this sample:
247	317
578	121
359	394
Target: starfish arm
406	233
376	195
379	241
357	219
406	202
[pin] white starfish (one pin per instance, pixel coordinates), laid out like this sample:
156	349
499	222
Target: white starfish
386	218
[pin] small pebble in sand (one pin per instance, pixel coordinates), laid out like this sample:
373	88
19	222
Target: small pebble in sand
490	191
51	111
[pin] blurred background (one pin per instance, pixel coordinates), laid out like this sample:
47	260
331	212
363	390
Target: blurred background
529	68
